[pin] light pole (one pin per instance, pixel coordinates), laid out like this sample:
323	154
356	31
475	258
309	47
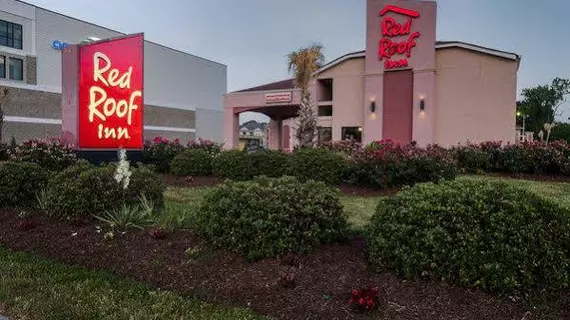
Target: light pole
523	130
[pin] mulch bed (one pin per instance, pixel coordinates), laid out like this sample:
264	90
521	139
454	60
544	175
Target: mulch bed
197	182
323	279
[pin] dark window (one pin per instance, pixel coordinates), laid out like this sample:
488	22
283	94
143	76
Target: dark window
11	35
325	134
16	67
325	111
2	67
325	89
352	133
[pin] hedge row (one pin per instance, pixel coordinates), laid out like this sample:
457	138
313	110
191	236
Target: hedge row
50	154
383	165
529	157
160	152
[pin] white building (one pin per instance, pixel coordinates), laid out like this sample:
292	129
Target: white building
183	92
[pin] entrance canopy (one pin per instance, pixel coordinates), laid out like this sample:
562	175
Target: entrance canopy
278	100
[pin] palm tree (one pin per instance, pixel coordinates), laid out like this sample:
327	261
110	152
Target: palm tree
303	63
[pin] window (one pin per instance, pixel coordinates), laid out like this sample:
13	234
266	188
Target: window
324	134
11	35
325	89
325	111
352	133
2	67
16	68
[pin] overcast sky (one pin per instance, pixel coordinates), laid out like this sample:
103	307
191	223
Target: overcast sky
252	37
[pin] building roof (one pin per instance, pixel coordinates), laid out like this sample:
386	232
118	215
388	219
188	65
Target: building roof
288	84
279	85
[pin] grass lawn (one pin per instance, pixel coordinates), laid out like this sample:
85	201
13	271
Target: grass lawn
34	288
558	192
181	202
185	200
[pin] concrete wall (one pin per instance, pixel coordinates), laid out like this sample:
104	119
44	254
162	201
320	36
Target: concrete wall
33	113
348	96
52	26
476	97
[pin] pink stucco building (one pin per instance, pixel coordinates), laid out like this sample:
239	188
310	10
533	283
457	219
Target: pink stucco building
406	86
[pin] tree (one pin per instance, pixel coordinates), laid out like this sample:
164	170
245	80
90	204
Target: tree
541	105
561	132
303	63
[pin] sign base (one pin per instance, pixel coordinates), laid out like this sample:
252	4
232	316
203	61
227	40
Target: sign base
99	157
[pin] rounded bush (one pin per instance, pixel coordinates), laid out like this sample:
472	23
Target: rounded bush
145	182
84	190
19	183
267	163
232	165
476	234
192	162
268	217
317	164
80	191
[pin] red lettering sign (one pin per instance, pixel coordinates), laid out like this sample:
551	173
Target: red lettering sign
389	47
281	97
111	94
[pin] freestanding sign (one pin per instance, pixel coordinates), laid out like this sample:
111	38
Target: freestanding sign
102	99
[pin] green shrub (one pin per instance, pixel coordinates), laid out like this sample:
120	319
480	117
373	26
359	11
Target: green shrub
384	164
50	154
317	164
192	162
84	190
147	183
268	217
232	164
472	159
81	191
160	152
19	182
476	234
267	163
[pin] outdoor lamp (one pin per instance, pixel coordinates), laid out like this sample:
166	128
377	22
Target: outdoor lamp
372	105
422	104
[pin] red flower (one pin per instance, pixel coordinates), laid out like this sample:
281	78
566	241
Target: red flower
364	299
